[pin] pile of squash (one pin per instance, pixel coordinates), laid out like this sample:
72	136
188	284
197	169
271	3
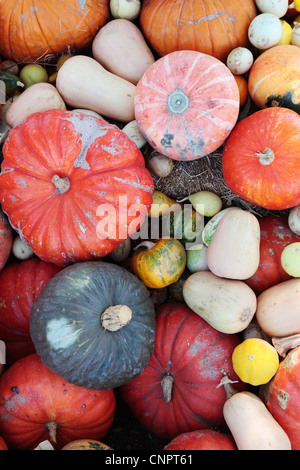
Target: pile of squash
188	311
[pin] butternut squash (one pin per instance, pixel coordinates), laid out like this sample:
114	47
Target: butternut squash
121	48
278	309
234	248
227	305
37	98
84	83
251	424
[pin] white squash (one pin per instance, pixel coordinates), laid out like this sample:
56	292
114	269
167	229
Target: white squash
128	9
276	7
132	131
265	31
210	227
294	220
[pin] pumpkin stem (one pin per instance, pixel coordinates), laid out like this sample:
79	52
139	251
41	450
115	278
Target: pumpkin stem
52	428
115	317
167	386
62	184
266	157
227	383
286	343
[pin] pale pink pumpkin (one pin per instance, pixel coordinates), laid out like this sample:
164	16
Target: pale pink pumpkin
186	104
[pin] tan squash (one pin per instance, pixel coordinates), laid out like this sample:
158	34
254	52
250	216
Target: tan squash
278	309
227	305
251	424
121	48
84	83
37	98
234	248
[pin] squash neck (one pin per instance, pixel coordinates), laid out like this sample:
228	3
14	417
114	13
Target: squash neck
115	317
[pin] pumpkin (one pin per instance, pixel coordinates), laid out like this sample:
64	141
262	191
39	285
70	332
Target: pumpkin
205	26
86	444
255	361
3	445
33	33
78	179
94	325
275	234
159	264
177	392
6	239
38	405
205	439
186	104
274	76
242	84
281	396
20	284
260	160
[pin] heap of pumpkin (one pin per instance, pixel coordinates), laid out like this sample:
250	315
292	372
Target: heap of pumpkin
198	331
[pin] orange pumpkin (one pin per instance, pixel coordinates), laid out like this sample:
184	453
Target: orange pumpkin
31	31
186	104
243	89
214	28
274	78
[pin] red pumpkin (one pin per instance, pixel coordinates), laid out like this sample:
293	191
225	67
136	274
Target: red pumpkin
72	191
6	239
32	32
178	390
214	28
205	439
38	405
3	445
275	234
186	104
282	399
20	284
261	162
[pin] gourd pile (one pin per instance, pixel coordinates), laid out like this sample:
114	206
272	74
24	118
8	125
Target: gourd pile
184	309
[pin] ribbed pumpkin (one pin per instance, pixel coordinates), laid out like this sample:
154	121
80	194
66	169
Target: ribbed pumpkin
208	26
32	31
281	396
178	390
206	439
37	405
70	191
6	239
260	160
186	104
94	325
20	284
274	78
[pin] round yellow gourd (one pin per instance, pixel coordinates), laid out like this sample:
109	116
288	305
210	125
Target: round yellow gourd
255	361
286	33
290	259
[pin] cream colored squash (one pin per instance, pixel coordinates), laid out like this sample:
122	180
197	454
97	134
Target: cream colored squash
234	248
121	48
227	305
37	98
84	83
252	425
278	309
294	220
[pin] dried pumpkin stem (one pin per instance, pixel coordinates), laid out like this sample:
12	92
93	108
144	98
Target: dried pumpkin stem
115	317
52	428
286	343
62	184
226	382
266	157
167	387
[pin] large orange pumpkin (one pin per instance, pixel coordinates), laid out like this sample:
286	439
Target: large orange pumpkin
69	190
186	104
274	78
208	26
31	31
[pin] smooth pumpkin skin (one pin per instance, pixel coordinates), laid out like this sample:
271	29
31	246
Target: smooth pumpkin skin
33	397
161	265
86	444
260	160
3	445
196	355
44	26
186	104
275	234
206	439
206	26
58	199
281	396
68	334
274	77
20	285
6	239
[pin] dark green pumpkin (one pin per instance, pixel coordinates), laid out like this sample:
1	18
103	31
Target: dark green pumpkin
67	329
